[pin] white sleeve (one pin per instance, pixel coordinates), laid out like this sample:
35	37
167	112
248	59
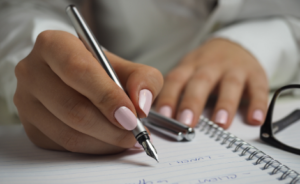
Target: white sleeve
272	42
23	22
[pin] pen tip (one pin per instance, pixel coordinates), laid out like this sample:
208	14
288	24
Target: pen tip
150	150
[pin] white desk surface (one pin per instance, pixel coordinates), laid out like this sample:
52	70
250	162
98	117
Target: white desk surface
246	132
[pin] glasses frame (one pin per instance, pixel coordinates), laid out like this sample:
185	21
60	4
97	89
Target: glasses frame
266	132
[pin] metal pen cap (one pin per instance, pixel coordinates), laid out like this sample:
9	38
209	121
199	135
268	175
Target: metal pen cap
169	127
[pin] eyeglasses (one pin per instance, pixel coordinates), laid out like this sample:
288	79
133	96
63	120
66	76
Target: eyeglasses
281	128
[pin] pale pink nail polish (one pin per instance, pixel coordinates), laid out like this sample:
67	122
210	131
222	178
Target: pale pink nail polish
126	118
166	111
258	115
221	117
186	117
145	100
137	145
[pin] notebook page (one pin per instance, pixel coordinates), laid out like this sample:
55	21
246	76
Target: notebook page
201	161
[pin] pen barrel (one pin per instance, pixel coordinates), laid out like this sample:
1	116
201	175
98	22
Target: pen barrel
138	129
90	42
169	127
178	136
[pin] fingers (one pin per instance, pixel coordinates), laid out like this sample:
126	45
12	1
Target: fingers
230	92
76	67
38	138
74	104
258	93
196	93
48	132
66	139
76	111
142	83
174	84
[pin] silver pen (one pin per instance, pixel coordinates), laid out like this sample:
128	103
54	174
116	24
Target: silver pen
168	127
88	39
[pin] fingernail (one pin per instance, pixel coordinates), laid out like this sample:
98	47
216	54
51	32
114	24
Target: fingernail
137	145
165	111
126	118
258	115
221	117
145	100
186	117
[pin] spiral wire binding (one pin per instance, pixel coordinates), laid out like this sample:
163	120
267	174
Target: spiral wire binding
226	138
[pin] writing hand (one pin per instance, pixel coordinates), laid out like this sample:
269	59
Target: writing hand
218	63
66	101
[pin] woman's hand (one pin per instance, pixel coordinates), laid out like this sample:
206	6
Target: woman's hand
66	101
218	63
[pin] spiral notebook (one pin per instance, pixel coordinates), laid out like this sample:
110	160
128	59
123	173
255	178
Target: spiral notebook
214	156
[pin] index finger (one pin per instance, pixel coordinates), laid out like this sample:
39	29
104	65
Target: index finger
141	82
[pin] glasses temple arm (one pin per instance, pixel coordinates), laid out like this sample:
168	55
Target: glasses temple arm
286	121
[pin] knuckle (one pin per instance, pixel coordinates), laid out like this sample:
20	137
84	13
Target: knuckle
44	39
32	133
174	76
260	100
74	66
25	80
71	142
234	80
204	76
33	139
263	89
154	79
109	96
195	101
156	74
22	70
79	113
260	91
19	69
16	99
227	102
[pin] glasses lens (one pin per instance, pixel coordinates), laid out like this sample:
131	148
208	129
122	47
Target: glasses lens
286	118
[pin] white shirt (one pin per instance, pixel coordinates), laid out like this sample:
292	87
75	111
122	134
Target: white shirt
158	32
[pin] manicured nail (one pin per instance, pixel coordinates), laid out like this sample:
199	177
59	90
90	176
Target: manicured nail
222	117
126	118
165	111
186	117
258	115
137	145
145	100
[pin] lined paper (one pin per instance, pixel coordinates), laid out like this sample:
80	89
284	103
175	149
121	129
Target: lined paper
201	161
